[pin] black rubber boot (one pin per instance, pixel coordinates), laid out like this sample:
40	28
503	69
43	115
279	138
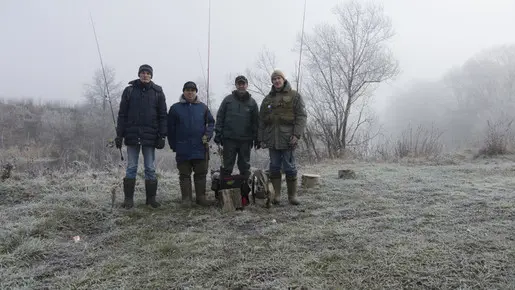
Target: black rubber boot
276	180
291	184
200	190
128	190
186	190
151	190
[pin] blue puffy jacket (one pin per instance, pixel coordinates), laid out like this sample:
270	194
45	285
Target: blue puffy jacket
186	126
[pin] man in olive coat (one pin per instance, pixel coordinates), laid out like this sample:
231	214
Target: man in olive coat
281	124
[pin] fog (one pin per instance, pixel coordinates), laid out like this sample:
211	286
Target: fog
49	52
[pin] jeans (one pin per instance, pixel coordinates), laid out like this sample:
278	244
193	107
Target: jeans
149	157
284	158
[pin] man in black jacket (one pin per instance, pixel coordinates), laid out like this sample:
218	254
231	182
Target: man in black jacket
142	122
236	127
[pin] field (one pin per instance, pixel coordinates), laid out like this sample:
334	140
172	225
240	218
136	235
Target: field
419	224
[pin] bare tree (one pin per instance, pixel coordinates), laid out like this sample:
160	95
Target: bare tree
341	63
259	77
202	94
96	91
483	89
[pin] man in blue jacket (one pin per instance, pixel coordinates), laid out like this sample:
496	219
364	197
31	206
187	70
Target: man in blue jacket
190	127
142	124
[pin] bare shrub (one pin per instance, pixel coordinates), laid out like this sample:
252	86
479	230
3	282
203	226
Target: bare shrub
422	142
498	138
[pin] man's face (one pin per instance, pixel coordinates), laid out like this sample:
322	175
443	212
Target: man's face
241	86
278	82
190	94
145	77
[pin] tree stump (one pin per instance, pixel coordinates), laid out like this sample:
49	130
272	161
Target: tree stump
310	180
230	199
346	174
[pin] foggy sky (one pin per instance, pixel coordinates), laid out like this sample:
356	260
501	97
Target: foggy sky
48	48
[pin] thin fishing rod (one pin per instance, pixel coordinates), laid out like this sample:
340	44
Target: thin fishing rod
105	78
301	46
202	66
208	52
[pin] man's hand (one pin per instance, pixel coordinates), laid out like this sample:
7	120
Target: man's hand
293	141
118	142
160	143
205	140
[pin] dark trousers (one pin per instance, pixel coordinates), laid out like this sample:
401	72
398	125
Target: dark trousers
241	150
198	166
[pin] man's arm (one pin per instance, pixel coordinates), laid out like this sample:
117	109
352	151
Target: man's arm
220	118
261	124
300	117
210	124
122	113
171	126
255	121
162	116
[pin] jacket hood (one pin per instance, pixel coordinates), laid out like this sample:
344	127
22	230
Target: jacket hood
286	88
138	83
245	96
182	100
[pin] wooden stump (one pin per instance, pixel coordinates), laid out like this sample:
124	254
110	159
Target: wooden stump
310	180
230	199
346	174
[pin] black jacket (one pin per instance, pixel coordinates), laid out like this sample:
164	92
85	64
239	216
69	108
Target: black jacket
142	117
237	118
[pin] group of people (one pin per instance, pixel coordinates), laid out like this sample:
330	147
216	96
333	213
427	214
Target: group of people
145	125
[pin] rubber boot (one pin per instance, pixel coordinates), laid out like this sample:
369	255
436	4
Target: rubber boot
200	190
276	183
151	190
291	184
186	190
128	190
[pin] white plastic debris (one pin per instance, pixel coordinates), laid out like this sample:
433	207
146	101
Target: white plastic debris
274	221
76	239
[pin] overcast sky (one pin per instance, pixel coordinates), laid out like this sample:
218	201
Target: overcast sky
48	48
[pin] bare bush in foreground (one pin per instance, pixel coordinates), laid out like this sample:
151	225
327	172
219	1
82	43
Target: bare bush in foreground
499	136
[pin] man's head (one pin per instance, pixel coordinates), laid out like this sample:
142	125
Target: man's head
145	73
189	91
241	84
278	79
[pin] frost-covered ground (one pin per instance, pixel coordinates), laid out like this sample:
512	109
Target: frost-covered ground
397	225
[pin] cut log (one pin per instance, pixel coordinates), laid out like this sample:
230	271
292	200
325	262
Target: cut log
230	199
346	174
310	180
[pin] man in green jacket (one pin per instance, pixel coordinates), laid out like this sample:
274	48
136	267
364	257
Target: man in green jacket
281	124
236	127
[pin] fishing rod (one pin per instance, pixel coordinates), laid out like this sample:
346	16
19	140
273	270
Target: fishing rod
301	46
208	52
108	96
